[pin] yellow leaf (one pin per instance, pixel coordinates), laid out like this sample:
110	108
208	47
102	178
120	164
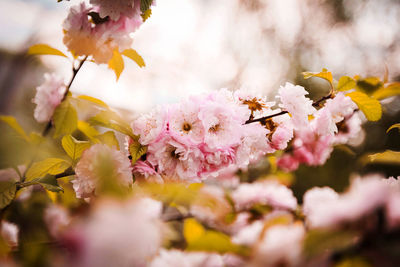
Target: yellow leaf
371	107
392	89
12	122
65	119
387	157
346	83
87	130
192	230
369	85
109	139
51	166
116	63
146	14
110	119
324	74
132	54
44	49
93	100
136	150
73	147
397	125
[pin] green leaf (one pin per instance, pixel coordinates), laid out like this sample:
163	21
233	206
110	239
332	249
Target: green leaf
65	119
50	183
93	100
109	139
73	147
112	120
145	4
136	150
199	239
346	83
396	125
116	63
321	241
392	89
12	122
132	54
48	166
386	157
87	130
371	108
44	49
324	74
7	193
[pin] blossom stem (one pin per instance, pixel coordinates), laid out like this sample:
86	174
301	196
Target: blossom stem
263	119
75	71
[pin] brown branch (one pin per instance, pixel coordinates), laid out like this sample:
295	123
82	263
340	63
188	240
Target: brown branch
263	119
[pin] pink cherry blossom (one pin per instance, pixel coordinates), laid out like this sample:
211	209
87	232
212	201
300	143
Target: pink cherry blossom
90	166
117	8
57	219
173	258
267	193
48	96
9	232
294	100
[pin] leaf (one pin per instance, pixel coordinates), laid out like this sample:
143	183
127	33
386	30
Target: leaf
354	261
392	89
7	193
324	74
386	157
50	183
36	138
87	130
369	85
145	15
199	239
145	4
371	108
136	150
65	119
48	166
320	241
12	122
132	54
396	125
116	63
192	230
44	49
346	83
112	120
93	100
73	147
109	139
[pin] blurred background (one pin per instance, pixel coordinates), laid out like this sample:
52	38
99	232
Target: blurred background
198	46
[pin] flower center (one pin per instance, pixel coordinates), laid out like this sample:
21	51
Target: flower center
214	128
174	154
186	127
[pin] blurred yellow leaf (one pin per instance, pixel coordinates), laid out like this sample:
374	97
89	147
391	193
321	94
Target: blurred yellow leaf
110	119
369	85
87	130
65	118
392	89
192	230
108	138
51	166
93	100
12	122
346	83
324	74
136	150
132	54
388	157
353	262
44	49
370	107
7	193
397	125
116	63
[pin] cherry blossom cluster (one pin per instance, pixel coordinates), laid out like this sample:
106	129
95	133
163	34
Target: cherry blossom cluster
100	29
201	136
275	234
